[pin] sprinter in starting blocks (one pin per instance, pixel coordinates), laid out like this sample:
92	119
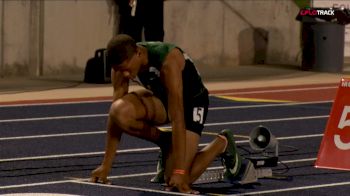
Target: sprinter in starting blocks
174	94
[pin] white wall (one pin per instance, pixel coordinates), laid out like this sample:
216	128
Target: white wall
58	37
221	32
16	31
73	30
67	31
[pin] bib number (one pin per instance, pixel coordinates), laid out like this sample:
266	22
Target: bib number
198	115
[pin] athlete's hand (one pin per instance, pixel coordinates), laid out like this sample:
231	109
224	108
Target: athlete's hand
99	175
179	182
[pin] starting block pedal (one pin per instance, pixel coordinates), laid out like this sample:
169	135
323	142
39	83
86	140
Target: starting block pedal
250	175
264	172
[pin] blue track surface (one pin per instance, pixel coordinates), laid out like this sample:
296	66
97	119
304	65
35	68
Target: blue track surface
44	146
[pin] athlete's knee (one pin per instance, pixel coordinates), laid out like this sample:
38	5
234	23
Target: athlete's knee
121	113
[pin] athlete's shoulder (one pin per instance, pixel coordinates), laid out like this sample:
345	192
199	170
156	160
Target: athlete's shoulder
157	45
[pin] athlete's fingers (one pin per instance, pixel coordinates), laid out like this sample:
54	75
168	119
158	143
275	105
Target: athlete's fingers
93	179
175	189
100	180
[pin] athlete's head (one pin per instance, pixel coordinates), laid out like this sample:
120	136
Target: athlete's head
120	48
122	55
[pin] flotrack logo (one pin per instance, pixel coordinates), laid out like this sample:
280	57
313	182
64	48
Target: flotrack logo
316	12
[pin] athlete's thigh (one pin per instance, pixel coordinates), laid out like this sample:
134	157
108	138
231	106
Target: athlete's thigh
152	108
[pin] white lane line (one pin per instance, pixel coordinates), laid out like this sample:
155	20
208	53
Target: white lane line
131	188
55	103
135	175
212	108
277	90
53	118
76	154
270	105
75	134
295	188
33	184
52	135
299	160
166	127
300	136
265	120
130	150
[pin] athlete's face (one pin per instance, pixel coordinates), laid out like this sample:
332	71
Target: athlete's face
129	67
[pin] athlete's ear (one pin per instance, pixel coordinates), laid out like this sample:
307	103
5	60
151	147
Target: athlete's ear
138	51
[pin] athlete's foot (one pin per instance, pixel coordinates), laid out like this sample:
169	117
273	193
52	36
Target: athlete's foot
159	177
231	160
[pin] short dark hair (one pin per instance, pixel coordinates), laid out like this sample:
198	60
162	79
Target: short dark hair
120	48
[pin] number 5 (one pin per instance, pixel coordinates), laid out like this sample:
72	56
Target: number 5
343	123
198	114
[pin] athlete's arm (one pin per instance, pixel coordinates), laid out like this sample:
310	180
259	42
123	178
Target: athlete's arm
120	84
171	75
172	78
120	88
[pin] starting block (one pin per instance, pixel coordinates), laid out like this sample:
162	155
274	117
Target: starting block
211	176
334	149
249	175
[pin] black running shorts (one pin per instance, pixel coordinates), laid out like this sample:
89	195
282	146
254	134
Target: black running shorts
195	112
